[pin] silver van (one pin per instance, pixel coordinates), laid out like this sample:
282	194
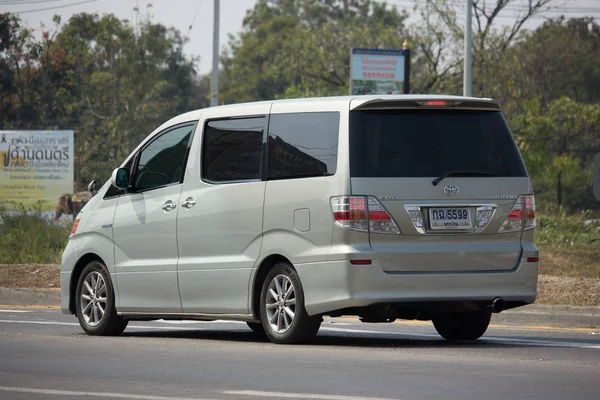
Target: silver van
278	213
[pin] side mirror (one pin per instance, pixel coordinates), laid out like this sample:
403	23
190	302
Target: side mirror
93	187
597	176
120	178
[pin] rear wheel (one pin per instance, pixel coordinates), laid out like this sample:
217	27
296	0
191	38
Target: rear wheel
95	302
256	327
462	326
283	315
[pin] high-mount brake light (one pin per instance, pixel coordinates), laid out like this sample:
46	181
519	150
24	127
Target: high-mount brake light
436	103
521	217
362	213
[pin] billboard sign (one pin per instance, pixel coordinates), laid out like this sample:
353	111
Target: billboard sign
379	71
36	166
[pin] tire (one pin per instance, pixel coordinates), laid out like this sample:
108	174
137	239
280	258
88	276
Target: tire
462	326
291	323
89	312
256	327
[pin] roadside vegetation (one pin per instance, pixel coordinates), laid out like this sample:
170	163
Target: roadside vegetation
568	246
76	76
27	237
31	247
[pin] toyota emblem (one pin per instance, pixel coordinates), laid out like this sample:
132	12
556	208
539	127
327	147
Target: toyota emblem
450	190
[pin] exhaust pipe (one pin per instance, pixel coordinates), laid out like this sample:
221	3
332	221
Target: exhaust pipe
497	305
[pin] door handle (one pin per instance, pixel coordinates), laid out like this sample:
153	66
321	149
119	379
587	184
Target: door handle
168	206
188	203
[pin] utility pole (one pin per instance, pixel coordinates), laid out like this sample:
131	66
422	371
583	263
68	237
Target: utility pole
214	98
467	73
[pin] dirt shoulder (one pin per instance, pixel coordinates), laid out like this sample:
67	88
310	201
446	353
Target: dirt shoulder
560	290
42	276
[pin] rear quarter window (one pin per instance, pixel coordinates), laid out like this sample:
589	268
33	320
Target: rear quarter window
303	145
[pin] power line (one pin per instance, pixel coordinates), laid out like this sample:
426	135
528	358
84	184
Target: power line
21	2
509	7
56	7
187	35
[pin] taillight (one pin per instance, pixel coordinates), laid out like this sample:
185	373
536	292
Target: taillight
362	213
521	217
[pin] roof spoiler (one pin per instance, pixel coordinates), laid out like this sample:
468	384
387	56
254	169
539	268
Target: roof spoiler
467	104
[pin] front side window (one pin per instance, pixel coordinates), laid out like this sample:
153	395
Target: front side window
303	145
161	162
232	149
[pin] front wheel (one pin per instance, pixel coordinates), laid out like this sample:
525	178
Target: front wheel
95	302
283	315
462	326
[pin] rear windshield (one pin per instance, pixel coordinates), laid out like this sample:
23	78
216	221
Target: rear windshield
428	143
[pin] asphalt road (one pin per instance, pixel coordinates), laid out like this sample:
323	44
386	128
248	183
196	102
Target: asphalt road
45	355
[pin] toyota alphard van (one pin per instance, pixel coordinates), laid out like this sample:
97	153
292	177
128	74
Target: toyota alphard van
278	213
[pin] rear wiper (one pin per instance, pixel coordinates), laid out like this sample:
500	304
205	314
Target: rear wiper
460	172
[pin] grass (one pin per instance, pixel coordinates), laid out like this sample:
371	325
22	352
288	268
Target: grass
569	268
27	237
568	247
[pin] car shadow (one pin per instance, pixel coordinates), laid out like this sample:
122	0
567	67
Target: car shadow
328	339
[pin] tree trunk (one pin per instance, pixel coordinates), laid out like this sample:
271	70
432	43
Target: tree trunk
559	188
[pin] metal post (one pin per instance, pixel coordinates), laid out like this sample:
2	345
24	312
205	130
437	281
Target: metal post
214	98
468	62
406	67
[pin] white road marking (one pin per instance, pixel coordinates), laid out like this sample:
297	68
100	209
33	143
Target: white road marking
408	335
15	311
168	328
488	339
164	321
485	339
287	395
93	394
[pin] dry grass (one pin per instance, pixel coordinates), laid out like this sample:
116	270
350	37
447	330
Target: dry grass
575	291
29	276
569	263
568	291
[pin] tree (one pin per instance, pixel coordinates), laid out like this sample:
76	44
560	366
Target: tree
558	144
439	50
291	48
560	58
111	82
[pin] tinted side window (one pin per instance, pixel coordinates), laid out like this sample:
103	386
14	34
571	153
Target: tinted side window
303	144
162	161
232	149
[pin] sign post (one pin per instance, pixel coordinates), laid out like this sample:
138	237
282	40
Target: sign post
380	71
36	166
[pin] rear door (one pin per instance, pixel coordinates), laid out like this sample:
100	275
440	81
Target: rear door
219	226
401	154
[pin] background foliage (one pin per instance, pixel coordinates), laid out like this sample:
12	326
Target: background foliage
113	82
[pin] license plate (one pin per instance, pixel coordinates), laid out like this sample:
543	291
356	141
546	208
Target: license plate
449	218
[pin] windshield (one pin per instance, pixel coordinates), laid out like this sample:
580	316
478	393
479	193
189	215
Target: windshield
429	143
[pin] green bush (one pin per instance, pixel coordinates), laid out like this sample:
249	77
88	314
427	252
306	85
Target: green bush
27	237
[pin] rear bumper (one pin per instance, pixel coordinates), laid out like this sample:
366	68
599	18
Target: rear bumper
336	285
